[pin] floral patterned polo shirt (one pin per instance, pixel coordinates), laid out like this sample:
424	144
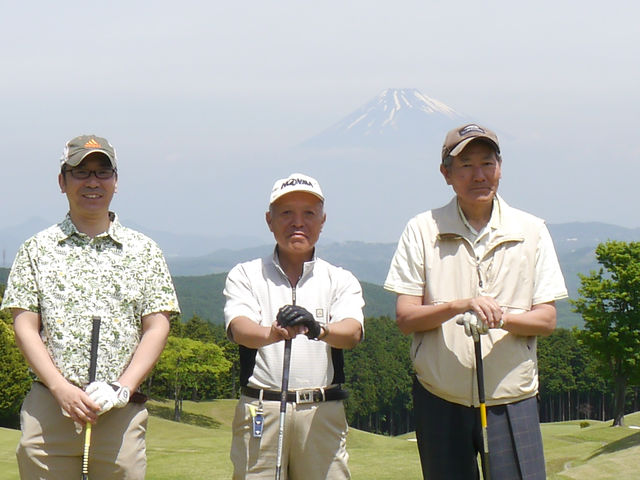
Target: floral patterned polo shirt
68	278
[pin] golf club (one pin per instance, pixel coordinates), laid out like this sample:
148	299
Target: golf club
283	404
93	361
483	409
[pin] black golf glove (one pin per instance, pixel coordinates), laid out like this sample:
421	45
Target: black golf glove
293	315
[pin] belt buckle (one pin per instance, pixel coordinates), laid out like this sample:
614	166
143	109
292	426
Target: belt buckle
304	396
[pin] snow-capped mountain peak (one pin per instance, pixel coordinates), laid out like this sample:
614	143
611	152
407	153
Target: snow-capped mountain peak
412	98
393	118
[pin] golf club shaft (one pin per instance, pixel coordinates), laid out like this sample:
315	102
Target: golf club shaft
93	362
283	404
85	453
483	409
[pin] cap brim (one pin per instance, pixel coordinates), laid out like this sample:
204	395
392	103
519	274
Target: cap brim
77	160
460	147
310	192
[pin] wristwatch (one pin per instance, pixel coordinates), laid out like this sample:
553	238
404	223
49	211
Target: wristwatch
325	331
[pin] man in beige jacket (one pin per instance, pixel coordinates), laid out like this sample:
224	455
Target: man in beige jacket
476	254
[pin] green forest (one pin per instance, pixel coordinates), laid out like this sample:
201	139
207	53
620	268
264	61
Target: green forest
202	296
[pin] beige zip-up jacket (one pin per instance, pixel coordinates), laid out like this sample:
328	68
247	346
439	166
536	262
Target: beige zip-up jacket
519	269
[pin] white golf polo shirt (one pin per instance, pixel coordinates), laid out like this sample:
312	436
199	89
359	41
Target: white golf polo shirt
257	289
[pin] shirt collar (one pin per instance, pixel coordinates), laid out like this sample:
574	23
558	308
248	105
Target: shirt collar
307	267
115	230
494	220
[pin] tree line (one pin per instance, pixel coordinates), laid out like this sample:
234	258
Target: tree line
200	363
590	373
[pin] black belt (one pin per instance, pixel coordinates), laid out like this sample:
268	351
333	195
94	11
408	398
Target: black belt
312	395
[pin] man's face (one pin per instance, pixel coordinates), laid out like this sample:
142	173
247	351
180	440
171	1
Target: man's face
474	174
91	196
296	220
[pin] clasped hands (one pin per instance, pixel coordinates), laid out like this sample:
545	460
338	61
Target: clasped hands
298	318
108	395
476	322
105	395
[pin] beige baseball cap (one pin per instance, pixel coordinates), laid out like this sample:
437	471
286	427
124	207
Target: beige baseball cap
296	182
459	137
78	148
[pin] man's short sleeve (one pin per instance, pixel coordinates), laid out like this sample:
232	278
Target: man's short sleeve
348	301
549	283
406	273
240	298
160	295
22	287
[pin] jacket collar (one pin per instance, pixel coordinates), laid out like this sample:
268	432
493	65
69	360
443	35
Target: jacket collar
451	224
307	268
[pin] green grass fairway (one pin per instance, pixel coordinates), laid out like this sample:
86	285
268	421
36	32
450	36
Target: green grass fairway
595	452
178	451
8	442
203	453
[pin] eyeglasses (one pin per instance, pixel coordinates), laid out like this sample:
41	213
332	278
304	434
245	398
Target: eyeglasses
83	174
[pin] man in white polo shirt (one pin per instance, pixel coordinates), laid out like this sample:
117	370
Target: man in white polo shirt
476	254
326	303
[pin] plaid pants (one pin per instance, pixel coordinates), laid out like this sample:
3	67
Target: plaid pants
450	437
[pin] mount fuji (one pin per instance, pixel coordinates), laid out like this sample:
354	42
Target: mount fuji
388	151
395	119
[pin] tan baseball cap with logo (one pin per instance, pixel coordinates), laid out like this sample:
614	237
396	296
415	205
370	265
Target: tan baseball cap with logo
458	138
78	148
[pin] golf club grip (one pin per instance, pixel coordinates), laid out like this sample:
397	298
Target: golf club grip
480	371
93	362
95	337
285	375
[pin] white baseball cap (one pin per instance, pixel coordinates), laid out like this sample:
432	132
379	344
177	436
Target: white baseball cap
296	182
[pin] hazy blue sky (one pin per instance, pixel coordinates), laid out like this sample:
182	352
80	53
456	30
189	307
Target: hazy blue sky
202	100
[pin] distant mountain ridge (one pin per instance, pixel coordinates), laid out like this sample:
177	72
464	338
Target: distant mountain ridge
370	261
575	244
199	280
173	244
573	236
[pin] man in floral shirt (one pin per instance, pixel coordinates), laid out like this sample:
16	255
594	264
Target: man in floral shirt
88	265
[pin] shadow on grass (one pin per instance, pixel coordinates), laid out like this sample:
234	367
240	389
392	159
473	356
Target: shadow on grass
616	446
188	418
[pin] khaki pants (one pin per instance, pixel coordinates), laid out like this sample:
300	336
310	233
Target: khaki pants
314	446
50	448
